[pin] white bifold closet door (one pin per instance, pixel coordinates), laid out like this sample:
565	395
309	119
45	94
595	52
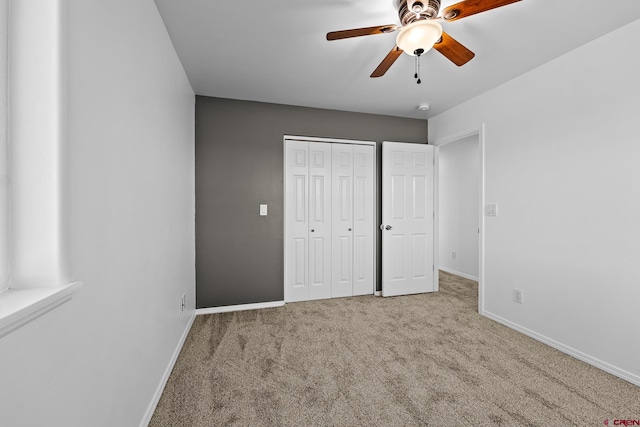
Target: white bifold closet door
308	227
329	220
342	256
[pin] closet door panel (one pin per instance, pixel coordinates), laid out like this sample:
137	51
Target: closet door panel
363	219
319	220
342	220
297	227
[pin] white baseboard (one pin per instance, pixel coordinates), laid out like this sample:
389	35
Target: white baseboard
163	382
377	293
239	307
458	273
613	370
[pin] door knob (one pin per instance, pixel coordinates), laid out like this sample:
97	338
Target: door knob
349	229
312	230
388	227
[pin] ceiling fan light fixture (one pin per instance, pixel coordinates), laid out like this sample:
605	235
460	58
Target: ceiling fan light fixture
419	35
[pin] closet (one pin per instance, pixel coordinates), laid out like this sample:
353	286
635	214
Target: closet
329	218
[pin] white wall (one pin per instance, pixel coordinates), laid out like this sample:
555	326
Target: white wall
4	241
129	223
561	160
458	204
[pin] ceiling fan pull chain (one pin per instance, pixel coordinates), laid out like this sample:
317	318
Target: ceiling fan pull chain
418	53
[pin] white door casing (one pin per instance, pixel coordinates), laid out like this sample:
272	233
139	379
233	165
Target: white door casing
407	218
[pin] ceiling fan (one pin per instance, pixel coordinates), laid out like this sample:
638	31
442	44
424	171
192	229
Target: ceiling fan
420	30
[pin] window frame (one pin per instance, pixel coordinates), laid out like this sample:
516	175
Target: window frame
4	173
35	102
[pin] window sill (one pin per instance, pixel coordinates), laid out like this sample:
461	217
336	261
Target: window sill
20	306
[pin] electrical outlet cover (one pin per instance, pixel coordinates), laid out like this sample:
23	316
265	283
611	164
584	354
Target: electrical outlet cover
517	296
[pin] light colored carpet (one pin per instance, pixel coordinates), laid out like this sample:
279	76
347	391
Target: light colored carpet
422	360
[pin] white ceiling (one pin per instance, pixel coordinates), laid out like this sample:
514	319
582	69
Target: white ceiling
276	50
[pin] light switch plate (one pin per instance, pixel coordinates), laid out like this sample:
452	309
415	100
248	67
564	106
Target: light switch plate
263	210
491	209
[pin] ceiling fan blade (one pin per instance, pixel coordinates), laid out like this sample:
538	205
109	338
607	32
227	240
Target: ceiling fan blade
387	62
471	7
357	32
453	50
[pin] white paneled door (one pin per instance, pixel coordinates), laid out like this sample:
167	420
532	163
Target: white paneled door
342	171
319	221
329	220
363	219
308	230
407	218
297	227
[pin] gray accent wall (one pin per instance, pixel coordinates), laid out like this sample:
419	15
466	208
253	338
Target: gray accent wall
239	165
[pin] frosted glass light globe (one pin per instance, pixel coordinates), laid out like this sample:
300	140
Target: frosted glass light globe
419	35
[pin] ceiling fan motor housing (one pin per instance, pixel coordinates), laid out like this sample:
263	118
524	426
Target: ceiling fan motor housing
416	10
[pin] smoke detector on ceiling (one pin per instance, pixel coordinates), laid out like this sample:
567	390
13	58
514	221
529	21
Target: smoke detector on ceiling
423	107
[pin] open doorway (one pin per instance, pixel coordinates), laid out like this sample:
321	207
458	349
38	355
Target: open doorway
460	201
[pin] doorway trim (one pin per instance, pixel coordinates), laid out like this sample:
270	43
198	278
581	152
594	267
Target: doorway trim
479	132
